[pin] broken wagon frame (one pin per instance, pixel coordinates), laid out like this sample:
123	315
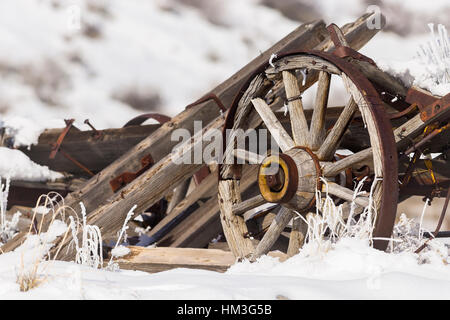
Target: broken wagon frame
402	120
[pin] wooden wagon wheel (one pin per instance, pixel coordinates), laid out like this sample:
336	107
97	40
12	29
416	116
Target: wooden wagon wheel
307	154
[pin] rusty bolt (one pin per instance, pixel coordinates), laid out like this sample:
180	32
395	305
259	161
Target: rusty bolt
275	181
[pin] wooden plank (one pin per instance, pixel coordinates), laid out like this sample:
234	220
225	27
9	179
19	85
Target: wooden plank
95	154
149	187
201	191
161	259
26	193
154	260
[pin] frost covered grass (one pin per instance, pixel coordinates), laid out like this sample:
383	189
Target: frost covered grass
88	249
7	228
332	224
35	257
436	54
430	69
119	250
343	258
89	252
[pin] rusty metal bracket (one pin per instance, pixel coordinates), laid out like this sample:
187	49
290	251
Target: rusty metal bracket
127	177
342	49
57	145
210	96
137	121
438	108
201	174
420	98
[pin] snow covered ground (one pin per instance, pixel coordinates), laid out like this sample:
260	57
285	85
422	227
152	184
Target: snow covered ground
349	270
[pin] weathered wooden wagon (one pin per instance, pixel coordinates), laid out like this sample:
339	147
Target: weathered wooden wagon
381	122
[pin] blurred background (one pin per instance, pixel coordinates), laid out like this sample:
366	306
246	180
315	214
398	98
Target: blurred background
110	60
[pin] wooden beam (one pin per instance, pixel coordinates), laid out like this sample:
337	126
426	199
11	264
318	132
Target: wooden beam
95	154
154	260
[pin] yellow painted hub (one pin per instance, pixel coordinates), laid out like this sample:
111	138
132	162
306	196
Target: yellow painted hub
284	169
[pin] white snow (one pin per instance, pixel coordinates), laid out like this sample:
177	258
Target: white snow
346	267
120	251
155	47
25	131
351	270
17	166
430	69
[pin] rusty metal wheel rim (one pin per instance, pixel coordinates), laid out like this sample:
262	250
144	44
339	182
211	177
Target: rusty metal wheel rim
369	97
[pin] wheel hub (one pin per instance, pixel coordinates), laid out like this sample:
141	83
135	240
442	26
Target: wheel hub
290	178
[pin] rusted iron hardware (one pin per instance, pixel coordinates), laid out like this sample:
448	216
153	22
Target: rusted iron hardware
137	121
342	49
419	98
210	96
97	134
57	145
127	177
436	109
201	174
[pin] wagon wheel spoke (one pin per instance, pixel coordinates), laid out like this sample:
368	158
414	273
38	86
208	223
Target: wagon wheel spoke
317	130
333	169
247	156
273	125
276	227
344	193
244	206
299	125
297	236
331	142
